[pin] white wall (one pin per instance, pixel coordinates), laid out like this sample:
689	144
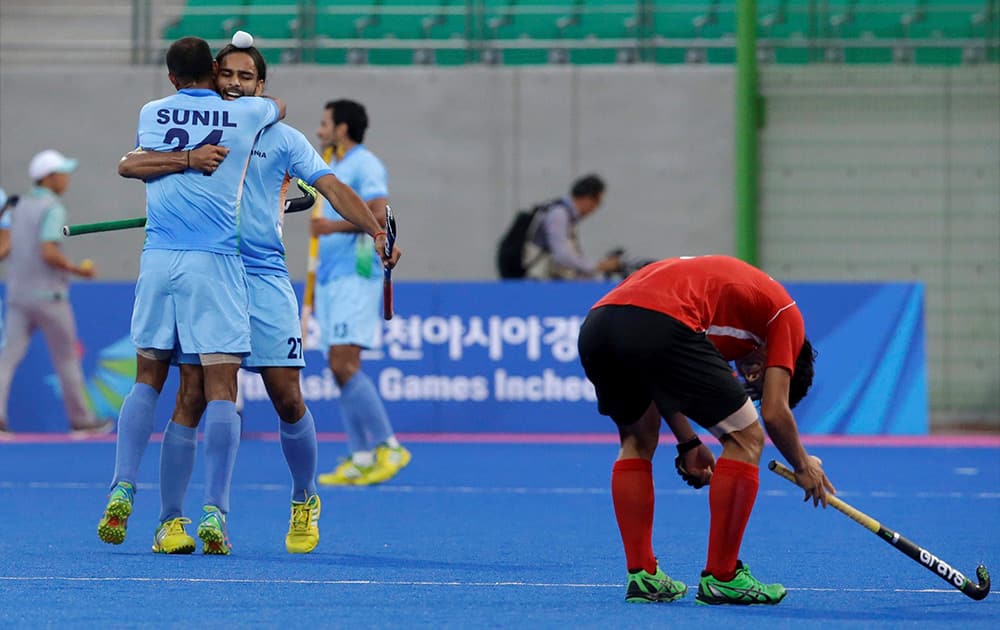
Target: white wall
465	147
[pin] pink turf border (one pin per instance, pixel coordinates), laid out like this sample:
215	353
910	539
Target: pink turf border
963	440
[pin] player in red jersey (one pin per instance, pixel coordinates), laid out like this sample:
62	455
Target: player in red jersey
658	345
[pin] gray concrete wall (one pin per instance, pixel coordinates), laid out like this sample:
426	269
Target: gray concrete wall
465	147
894	174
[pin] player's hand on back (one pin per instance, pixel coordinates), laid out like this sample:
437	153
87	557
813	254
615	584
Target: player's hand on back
208	157
813	480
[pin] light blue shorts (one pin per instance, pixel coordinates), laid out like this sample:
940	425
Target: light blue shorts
348	311
275	329
191	300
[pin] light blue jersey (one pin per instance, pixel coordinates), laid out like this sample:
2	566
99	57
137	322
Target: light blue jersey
281	152
191	210
352	253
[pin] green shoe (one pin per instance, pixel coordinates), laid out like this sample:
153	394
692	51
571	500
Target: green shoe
744	589
644	588
212	532
111	528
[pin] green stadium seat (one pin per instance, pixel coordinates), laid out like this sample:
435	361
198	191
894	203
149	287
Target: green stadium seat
208	24
874	31
266	25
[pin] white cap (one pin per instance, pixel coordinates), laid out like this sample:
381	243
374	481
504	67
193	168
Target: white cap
48	162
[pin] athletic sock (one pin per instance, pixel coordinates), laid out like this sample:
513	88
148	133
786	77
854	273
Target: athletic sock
177	454
392	442
632	494
363	459
731	496
360	402
222	440
135	426
298	443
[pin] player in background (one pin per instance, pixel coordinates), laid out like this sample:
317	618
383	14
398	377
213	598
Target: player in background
657	346
348	292
191	292
280	153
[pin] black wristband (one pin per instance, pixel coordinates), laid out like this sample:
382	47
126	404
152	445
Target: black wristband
684	447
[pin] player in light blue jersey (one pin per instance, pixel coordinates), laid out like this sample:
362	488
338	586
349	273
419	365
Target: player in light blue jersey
192	289
281	153
348	291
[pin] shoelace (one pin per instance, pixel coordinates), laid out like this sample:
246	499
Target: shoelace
300	517
176	526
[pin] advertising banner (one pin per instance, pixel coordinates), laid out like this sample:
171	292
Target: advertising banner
502	357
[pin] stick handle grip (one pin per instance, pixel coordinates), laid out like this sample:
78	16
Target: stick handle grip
103	226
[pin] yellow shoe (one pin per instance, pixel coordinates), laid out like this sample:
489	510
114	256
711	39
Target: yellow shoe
388	463
397	458
347	473
171	537
303	528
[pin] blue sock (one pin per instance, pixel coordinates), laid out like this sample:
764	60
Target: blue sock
298	443
135	426
177	454
363	412
222	440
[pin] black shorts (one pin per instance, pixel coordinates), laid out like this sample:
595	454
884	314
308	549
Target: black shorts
635	356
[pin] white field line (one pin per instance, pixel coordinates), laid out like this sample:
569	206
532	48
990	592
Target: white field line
409	489
427	583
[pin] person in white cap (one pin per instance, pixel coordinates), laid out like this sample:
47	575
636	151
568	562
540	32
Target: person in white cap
38	275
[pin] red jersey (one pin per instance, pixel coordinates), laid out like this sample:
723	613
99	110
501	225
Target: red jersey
736	304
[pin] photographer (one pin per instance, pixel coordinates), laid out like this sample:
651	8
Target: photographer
552	251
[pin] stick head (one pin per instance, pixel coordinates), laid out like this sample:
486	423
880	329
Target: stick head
390	230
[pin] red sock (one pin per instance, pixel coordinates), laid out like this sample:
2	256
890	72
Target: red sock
730	498
632	493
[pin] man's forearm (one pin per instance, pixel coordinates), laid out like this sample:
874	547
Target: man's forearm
785	435
146	165
681	427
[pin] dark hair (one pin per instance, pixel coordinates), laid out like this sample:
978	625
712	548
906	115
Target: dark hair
803	378
352	113
587	186
258	59
190	59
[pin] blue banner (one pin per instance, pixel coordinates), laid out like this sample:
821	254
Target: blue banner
501	357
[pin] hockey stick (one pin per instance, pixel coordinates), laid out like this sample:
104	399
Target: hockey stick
103	226
390	240
931	562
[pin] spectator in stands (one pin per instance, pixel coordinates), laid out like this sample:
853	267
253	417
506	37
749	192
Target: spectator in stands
38	290
552	251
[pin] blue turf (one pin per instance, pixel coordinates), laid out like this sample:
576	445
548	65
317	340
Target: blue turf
490	535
